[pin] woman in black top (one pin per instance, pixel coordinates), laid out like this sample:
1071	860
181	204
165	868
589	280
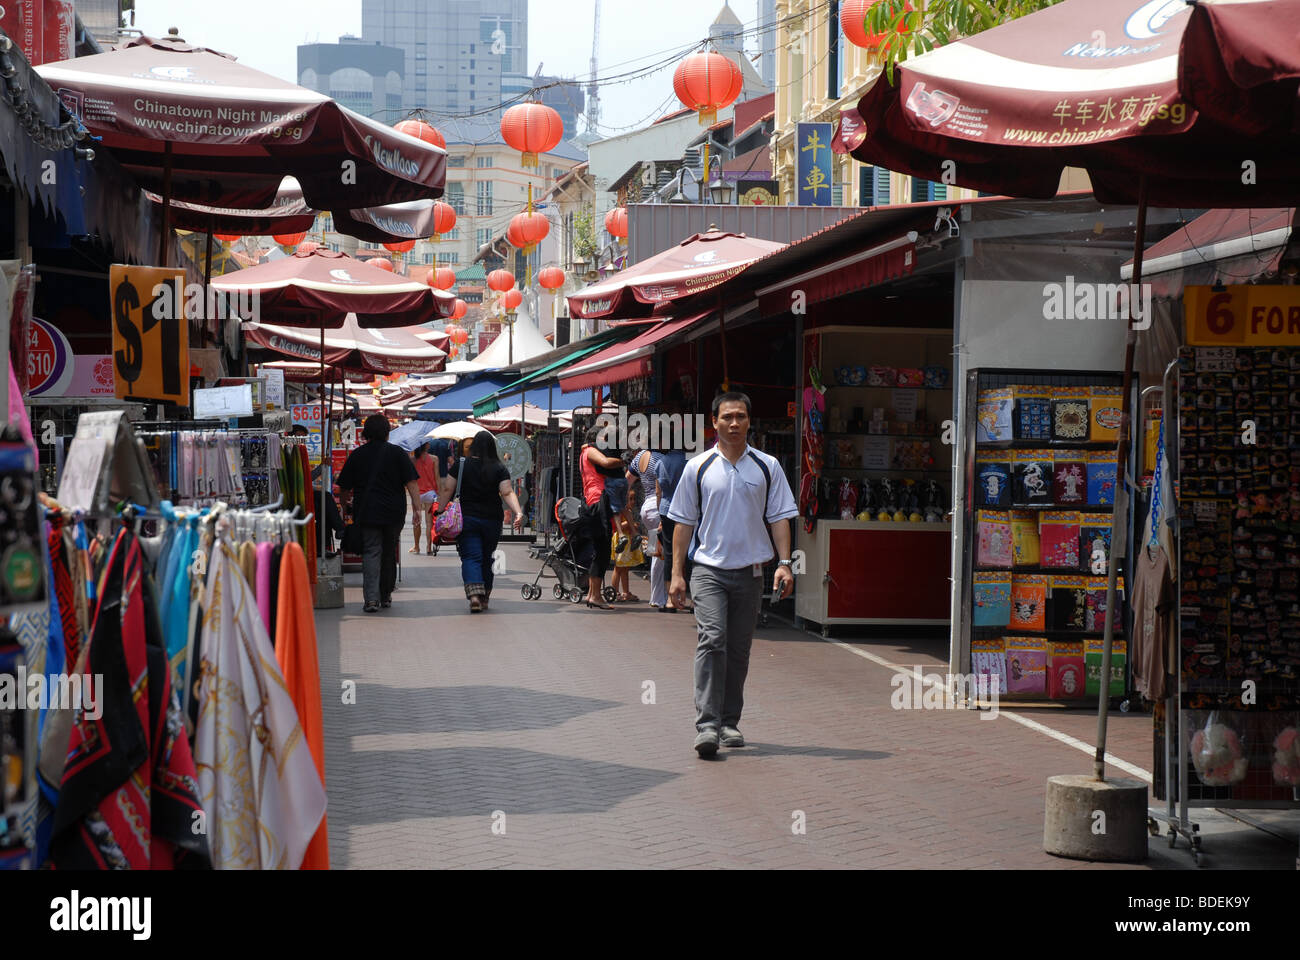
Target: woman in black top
484	486
375	475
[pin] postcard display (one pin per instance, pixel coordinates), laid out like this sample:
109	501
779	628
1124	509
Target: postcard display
1235	702
1041	459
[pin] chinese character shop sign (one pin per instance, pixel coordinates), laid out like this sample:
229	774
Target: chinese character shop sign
813	167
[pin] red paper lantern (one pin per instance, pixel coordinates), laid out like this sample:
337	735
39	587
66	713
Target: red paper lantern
459	335
422	131
381	263
444	217
616	222
527	230
500	280
459	309
443	278
531	128
227	237
853	16
550	278
289	239
402	246
512	299
706	83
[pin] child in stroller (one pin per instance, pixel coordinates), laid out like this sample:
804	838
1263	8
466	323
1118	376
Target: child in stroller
561	560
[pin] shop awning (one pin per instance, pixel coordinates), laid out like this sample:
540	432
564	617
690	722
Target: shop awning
1220	246
626	361
490	403
458	402
877	264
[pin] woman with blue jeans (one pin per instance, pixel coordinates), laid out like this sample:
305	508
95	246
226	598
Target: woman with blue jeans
484	485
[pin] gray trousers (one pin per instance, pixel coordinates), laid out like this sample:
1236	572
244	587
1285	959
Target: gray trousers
726	611
379	561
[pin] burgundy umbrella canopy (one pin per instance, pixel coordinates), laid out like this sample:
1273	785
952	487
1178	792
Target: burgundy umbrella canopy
320	288
302	371
192	124
390	223
288	214
439	338
1085	83
1240	65
392	350
699	263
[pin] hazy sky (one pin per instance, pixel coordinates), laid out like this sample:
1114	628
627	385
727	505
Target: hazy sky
265	34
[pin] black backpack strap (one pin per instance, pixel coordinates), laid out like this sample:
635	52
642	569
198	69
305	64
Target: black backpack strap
699	499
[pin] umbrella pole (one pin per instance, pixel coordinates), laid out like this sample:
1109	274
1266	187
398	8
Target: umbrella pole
207	273
722	333
1119	521
166	204
324	433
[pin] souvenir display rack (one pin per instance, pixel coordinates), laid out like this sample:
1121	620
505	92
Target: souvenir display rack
873	477
1040	462
1227	735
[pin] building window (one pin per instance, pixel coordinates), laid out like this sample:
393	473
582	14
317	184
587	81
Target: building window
834	51
456	161
428	259
482	237
482	162
452	234
485	198
449	258
455	197
924	190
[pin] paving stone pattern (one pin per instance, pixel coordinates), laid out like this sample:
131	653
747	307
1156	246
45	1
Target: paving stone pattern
518	738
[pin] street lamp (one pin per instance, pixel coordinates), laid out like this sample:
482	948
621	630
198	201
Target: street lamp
719	189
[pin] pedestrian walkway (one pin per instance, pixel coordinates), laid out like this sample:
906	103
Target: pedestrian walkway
546	735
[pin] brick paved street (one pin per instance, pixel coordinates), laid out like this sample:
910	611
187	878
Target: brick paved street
530	718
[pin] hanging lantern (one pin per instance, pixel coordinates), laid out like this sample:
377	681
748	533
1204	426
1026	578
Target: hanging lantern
459	309
500	280
853	21
706	83
512	300
401	246
616	222
550	278
308	246
228	237
382	263
289	239
444	218
527	230
442	278
531	128
422	131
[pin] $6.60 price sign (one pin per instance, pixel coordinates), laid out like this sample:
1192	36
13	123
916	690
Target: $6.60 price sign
151	354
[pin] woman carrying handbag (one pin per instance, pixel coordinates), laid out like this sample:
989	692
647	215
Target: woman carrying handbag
472	497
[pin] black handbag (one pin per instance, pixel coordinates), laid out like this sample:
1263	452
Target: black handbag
353	542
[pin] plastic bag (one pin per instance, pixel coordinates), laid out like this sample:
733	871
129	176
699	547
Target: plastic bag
1218	753
628	558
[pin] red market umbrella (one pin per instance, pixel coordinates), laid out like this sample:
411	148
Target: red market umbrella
192	124
439	338
301	371
1240	65
320	288
393	222
394	350
699	263
1085	83
288	213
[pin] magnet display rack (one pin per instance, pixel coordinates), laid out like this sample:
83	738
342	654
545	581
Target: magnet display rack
1238	615
1067	621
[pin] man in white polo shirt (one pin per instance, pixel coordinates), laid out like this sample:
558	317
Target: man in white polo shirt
728	501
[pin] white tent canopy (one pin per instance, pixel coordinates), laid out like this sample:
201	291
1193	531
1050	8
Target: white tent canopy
528	344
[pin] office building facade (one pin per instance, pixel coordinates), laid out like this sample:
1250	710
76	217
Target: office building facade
365	77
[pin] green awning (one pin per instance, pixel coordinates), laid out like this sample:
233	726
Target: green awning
491	403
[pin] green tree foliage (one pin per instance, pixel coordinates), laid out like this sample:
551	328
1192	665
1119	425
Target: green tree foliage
584	236
911	32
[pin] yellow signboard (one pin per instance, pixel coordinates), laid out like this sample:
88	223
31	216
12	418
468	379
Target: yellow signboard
1242	316
151	351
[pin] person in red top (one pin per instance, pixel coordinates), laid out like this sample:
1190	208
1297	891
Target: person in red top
426	470
592	542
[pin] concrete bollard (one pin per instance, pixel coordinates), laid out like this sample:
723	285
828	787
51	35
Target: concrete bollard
1089	819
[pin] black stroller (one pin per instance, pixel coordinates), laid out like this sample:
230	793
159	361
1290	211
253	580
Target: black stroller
560	560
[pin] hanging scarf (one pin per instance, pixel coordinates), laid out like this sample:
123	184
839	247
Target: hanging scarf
62	573
257	777
295	650
128	798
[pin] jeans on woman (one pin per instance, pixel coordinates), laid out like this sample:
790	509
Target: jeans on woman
476	544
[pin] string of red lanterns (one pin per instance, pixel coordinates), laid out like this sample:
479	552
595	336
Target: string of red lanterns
422	131
442	278
616	222
531	128
512	299
706	83
550	278
527	230
500	280
853	20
